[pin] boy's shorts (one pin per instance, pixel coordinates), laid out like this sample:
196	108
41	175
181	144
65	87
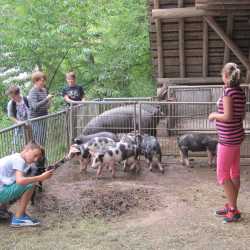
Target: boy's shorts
228	162
13	192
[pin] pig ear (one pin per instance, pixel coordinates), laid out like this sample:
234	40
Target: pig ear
75	148
77	141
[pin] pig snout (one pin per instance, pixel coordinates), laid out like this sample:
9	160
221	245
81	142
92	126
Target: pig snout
74	152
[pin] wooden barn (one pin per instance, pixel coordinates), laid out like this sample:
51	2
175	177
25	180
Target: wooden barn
191	40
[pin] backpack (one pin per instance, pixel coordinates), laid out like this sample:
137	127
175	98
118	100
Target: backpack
13	106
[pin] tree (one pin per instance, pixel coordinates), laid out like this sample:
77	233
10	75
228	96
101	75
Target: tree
105	42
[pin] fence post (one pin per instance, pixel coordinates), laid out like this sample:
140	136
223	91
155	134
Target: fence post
139	125
67	118
71	123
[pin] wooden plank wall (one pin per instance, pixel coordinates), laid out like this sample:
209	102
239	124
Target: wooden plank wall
223	4
217	52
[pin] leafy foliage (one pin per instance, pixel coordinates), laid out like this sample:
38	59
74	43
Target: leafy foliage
105	42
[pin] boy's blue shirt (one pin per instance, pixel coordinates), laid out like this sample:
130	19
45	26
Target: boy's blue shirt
8	166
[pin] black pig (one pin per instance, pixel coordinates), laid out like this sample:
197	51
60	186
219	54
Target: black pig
196	143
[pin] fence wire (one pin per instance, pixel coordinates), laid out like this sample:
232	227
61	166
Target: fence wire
166	120
51	131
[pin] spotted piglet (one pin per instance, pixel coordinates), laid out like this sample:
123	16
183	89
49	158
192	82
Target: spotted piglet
131	164
113	155
151	149
84	152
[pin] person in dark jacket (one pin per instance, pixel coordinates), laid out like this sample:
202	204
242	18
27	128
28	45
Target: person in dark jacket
73	94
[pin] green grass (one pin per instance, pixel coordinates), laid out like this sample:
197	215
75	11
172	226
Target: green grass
85	234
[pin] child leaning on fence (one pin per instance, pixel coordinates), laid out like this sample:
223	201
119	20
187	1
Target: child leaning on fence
72	93
18	109
16	185
39	101
229	124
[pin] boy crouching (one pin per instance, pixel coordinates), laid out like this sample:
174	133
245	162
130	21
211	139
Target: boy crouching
15	185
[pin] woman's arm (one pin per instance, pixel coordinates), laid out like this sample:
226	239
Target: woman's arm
227	116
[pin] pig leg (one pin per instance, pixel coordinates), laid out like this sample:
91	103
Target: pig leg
138	166
210	158
92	160
160	167
99	171
157	162
108	167
133	165
187	162
112	166
184	157
214	160
83	165
125	165
150	164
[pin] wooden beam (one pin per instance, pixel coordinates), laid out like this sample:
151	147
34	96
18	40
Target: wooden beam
189	80
159	42
205	49
181	43
173	13
230	20
180	13
230	44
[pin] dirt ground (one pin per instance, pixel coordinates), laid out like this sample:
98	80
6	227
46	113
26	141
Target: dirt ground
145	211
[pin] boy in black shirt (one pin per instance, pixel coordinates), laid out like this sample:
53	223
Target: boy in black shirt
73	93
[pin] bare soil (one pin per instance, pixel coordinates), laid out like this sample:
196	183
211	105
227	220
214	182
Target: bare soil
145	211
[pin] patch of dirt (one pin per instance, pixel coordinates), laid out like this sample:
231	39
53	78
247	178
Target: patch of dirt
115	203
71	193
145	211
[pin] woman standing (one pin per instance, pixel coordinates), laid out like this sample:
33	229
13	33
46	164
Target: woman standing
229	124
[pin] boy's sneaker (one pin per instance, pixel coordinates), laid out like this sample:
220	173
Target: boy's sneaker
233	215
24	221
223	211
28	217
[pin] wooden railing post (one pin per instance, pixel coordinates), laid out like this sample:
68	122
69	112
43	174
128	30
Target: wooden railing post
159	42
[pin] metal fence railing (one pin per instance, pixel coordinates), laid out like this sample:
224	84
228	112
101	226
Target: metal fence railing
51	131
12	139
166	120
210	93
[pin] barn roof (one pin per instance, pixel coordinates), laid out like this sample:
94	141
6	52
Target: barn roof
191	40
